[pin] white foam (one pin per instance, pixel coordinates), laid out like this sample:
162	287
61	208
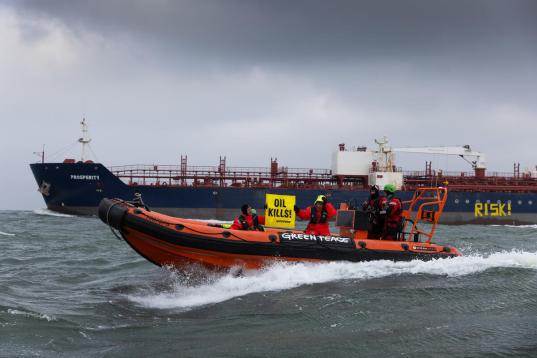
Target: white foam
31	315
281	276
6	233
519	226
51	213
213	221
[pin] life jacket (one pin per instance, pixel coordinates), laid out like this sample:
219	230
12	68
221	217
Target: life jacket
374	203
313	215
399	210
244	223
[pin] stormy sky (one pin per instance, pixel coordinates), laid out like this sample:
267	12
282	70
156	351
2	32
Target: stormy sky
259	79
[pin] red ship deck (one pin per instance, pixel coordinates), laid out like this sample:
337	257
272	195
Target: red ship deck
298	178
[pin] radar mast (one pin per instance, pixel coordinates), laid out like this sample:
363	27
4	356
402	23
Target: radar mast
85	139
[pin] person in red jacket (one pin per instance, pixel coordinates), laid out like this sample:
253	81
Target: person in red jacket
248	220
318	214
394	211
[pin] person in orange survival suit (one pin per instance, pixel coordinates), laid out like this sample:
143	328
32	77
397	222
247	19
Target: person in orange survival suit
248	220
393	210
318	214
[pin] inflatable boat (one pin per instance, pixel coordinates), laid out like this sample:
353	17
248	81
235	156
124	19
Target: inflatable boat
166	240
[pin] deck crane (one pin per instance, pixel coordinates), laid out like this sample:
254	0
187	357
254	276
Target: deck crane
463	151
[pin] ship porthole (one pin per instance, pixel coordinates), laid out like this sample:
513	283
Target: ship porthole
530	202
456	201
488	201
508	201
467	201
519	202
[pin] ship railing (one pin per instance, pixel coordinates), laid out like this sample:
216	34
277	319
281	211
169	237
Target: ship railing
154	171
460	174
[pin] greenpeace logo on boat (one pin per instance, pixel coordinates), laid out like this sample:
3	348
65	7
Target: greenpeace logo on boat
291	236
424	248
84	177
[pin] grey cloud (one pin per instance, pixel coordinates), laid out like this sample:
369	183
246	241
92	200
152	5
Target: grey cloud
312	30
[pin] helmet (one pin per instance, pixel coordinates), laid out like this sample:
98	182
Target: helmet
389	188
320	199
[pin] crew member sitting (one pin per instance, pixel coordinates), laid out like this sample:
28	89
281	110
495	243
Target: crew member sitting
318	214
138	202
372	208
394	210
248	220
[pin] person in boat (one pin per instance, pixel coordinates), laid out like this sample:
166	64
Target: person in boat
372	207
138	202
318	215
393	209
248	220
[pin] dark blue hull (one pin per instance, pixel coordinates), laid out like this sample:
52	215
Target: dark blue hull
79	188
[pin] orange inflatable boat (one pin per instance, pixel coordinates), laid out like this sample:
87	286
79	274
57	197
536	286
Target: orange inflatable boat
166	240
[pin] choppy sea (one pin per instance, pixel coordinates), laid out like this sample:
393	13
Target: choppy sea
69	288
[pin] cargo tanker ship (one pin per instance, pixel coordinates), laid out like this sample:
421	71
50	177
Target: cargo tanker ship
477	197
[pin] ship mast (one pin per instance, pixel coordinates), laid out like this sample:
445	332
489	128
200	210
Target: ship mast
85	139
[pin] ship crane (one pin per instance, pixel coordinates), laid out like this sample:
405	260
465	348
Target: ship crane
476	159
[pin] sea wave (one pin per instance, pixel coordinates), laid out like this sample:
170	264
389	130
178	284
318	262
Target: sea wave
282	276
31	315
6	233
51	213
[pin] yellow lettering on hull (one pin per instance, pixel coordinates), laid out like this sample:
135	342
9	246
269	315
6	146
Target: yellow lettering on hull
492	209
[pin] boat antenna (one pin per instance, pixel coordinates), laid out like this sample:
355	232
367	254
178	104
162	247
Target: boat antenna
85	139
41	154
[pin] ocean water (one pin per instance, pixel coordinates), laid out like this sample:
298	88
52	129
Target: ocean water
69	288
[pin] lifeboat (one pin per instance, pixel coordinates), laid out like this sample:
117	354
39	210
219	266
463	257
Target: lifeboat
167	240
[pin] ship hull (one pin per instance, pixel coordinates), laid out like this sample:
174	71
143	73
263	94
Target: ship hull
78	189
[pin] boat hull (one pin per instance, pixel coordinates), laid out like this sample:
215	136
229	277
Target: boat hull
165	240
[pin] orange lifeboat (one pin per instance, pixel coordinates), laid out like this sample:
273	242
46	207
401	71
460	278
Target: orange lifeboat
167	240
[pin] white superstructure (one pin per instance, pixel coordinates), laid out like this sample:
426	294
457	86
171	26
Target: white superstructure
379	165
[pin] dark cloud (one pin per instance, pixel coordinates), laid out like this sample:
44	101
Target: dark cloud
313	30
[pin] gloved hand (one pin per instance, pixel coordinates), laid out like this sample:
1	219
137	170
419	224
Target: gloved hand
296	208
